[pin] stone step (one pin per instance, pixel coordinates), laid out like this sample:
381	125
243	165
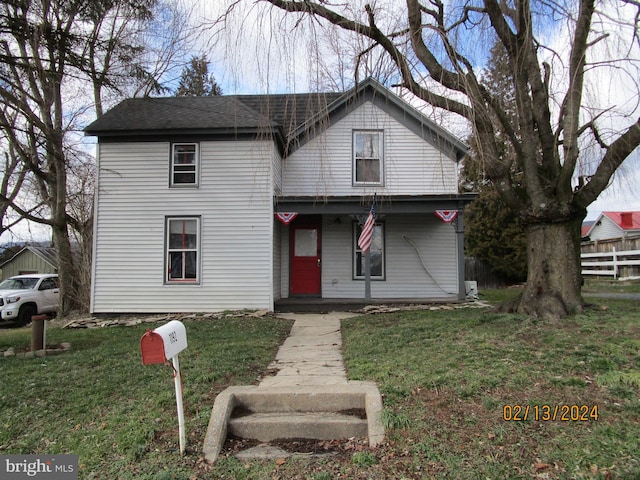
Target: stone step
267	427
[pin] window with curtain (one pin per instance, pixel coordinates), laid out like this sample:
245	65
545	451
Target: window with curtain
367	157
183	244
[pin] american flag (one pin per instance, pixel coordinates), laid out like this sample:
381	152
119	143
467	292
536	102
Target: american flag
364	241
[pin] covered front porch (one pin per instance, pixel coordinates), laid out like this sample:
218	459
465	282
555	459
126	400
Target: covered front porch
417	253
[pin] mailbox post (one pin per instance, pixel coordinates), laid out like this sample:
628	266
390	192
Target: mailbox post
161	345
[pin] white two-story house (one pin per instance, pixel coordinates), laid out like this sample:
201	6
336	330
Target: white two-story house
232	202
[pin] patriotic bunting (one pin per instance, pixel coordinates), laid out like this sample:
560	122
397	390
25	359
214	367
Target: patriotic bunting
447	216
286	217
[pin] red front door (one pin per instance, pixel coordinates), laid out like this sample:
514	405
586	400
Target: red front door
304	245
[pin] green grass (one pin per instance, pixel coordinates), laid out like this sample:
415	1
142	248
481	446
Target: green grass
452	372
119	416
611	286
446	377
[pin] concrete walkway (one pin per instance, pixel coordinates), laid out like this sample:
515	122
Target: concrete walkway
312	354
305	396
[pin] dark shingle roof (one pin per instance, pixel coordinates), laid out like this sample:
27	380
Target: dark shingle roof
290	111
177	113
235	112
292	118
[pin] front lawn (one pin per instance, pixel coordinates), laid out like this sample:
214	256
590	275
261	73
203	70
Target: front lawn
100	402
456	386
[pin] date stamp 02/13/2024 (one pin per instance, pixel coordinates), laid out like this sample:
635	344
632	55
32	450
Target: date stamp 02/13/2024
550	413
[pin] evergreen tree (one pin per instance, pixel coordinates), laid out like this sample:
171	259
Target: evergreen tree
196	81
494	234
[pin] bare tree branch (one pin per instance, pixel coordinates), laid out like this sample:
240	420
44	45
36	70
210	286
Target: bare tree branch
615	154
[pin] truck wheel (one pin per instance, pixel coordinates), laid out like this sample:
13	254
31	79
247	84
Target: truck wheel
25	314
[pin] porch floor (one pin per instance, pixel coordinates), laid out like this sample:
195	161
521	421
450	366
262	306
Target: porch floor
325	305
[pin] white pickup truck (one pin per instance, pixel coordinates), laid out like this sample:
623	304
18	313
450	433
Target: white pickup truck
23	296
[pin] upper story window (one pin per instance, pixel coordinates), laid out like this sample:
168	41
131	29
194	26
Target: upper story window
184	164
368	158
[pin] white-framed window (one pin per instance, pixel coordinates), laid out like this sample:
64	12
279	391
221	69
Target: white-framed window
183	250
377	253
184	164
368	161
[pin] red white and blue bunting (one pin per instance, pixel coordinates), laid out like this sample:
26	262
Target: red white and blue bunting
286	217
447	216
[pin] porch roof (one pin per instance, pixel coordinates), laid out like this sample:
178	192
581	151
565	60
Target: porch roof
388	204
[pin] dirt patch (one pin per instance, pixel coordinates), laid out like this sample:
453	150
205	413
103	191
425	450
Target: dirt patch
234	445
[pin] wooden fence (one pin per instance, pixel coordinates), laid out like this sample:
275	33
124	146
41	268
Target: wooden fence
614	258
482	273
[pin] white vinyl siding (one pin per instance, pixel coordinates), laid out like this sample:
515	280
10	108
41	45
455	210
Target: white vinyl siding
412	166
234	204
405	276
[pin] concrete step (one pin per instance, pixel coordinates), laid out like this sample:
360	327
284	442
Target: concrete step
267	427
300	399
330	412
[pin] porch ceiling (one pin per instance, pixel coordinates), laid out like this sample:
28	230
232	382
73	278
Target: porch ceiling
384	205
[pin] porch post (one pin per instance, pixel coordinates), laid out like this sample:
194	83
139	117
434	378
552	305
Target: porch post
459	228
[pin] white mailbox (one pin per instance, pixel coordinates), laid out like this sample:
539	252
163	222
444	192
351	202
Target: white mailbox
163	343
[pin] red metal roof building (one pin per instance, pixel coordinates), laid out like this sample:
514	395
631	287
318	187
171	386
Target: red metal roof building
615	225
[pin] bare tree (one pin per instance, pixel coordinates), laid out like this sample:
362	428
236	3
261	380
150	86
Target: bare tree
132	46
55	55
436	56
13	177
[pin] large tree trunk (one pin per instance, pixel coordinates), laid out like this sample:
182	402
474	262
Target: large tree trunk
554	273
